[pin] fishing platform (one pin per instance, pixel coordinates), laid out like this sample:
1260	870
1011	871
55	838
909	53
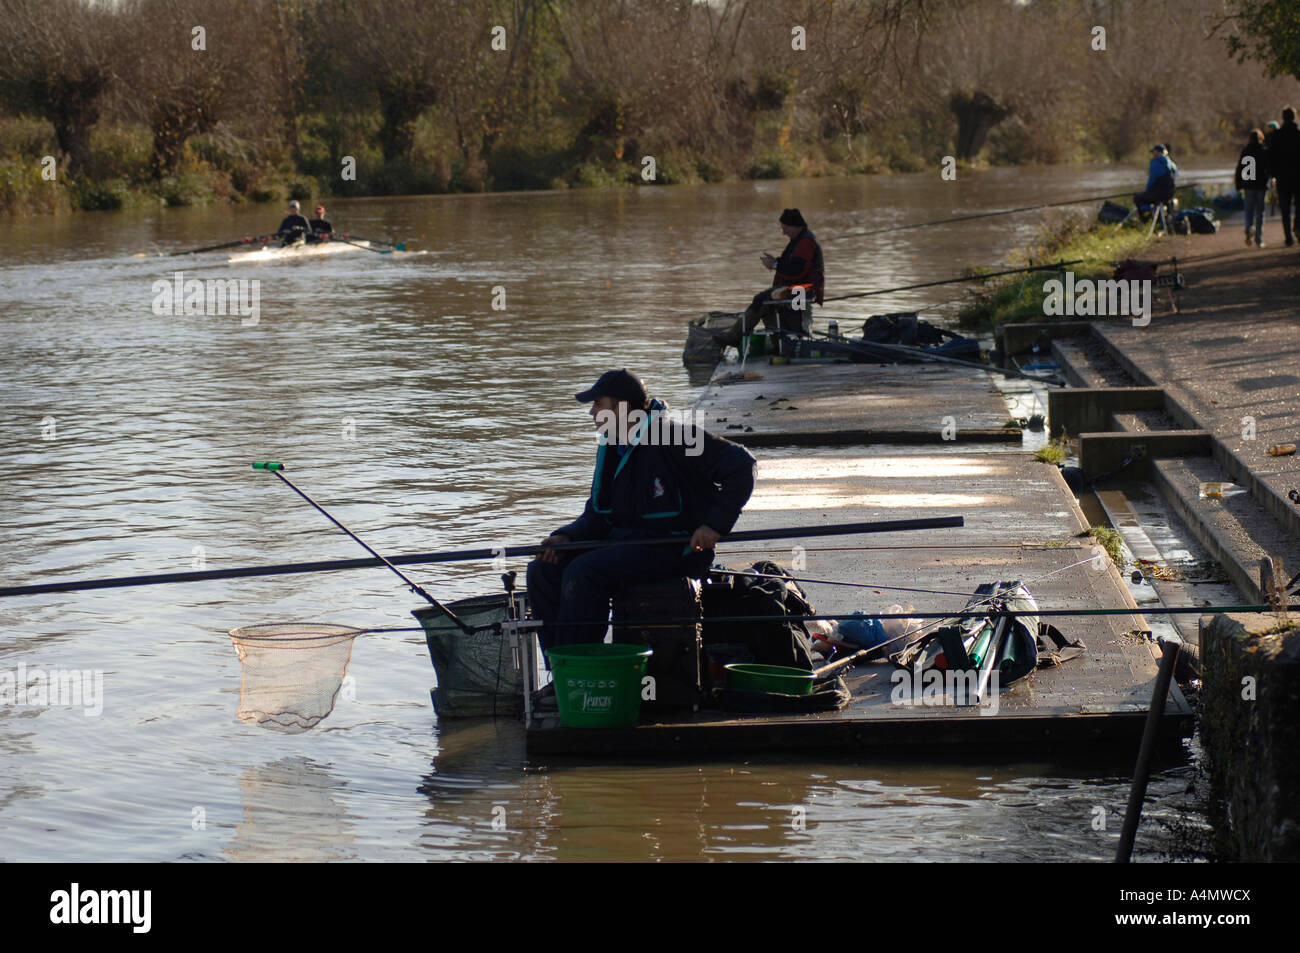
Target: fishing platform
1021	522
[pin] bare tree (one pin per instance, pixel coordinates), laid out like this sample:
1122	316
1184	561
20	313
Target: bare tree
198	63
58	60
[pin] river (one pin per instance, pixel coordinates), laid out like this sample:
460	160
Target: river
426	399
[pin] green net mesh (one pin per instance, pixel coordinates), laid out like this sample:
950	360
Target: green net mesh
291	672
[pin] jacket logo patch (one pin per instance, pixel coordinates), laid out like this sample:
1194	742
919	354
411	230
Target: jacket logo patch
658	489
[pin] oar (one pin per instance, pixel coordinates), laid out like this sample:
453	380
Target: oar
468	555
396	246
379	251
276	469
260	239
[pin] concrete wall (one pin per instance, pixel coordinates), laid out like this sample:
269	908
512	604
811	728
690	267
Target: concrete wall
1252	743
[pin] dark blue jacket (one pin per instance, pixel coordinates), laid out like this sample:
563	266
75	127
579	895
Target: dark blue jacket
659	488
1284	153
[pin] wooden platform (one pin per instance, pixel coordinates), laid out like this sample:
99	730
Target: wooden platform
1022	523
839	404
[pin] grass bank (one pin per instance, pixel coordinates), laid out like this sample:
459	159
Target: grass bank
1066	236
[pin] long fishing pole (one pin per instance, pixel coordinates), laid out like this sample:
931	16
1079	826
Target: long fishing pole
977	215
952	281
913	614
471	555
277	470
866	349
831	582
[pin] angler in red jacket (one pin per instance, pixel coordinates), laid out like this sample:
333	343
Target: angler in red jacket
800	266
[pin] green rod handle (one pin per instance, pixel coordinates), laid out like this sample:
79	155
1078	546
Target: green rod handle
268	466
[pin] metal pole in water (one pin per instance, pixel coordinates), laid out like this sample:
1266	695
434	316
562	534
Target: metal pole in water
1142	772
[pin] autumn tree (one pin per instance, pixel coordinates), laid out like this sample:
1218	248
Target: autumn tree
58	60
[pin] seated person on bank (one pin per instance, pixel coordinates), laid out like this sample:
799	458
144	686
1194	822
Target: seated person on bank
654	478
800	266
1161	174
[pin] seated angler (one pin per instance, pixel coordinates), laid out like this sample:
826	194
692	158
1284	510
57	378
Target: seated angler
1161	174
654	478
800	266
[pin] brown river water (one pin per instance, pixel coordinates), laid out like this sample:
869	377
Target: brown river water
424	419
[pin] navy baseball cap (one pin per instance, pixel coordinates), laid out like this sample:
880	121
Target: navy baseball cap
621	385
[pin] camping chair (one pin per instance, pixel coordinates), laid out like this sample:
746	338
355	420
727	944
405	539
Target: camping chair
1162	215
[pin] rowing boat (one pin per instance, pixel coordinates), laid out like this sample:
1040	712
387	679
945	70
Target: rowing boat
294	252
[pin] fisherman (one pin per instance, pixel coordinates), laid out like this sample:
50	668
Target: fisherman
1161	174
800	266
321	229
294	228
654	477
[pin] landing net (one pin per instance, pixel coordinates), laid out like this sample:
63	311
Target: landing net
292	672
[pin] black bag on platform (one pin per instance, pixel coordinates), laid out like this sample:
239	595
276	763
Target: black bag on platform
765	642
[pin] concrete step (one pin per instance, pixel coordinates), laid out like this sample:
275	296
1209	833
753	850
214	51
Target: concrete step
1236	531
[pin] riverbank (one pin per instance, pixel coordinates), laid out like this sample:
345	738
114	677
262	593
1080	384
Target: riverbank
1067	236
1200	397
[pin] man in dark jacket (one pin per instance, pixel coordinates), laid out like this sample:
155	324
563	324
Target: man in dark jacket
801	265
654	478
1284	166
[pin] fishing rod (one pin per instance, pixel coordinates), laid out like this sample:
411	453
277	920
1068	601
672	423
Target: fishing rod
969	613
471	555
277	470
977	215
831	582
866	348
950	281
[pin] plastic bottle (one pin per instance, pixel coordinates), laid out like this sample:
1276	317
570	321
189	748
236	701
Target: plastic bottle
1217	491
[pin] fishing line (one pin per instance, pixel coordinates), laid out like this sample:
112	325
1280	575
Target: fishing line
979	215
831	582
969	612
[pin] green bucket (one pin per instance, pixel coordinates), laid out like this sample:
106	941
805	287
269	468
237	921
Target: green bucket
598	685
757	345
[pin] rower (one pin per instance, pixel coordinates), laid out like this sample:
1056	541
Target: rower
321	229
800	266
294	228
654	477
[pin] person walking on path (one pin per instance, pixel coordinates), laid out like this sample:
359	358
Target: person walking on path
1252	182
1284	164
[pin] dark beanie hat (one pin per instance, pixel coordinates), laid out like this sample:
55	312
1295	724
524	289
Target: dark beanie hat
791	216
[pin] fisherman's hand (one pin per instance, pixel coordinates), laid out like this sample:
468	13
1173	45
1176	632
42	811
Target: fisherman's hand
705	537
551	556
767	260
